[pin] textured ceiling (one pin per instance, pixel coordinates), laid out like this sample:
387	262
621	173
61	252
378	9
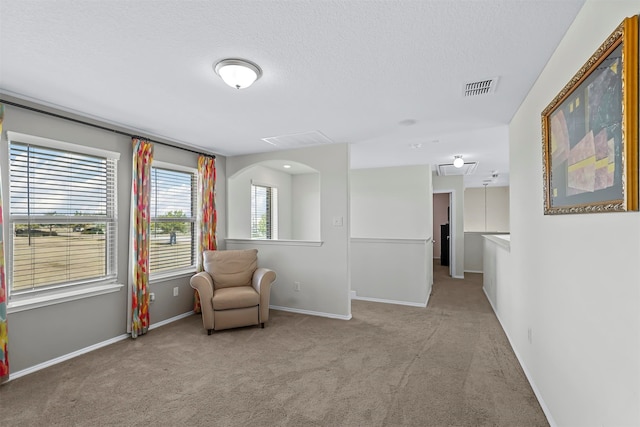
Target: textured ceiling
381	75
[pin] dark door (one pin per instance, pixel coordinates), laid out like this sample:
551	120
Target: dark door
444	244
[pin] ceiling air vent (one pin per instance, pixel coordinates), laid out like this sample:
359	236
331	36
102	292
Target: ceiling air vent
295	140
448	169
481	87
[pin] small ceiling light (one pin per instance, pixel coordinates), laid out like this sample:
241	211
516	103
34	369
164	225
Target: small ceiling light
286	166
458	162
238	73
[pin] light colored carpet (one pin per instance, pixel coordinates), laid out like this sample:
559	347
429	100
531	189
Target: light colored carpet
447	365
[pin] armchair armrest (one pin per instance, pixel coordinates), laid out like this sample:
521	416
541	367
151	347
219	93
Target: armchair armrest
262	280
203	283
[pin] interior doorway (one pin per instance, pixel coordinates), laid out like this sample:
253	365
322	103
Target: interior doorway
442	230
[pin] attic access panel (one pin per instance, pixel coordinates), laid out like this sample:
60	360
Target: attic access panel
296	140
448	169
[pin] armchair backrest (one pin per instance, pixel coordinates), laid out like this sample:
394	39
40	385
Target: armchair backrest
231	268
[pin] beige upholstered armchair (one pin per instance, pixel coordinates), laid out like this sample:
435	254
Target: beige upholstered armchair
233	291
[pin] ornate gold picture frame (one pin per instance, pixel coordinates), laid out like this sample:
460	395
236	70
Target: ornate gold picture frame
590	132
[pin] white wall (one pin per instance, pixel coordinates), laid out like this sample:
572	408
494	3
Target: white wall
305	193
321	269
391	203
391	226
474	250
486	210
394	271
496	209
497	276
575	278
455	185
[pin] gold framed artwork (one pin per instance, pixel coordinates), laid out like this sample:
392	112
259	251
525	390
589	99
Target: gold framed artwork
590	132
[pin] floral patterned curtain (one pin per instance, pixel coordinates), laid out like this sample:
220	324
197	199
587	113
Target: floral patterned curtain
4	334
206	211
140	214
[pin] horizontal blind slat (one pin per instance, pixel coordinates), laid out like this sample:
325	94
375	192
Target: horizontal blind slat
61	187
172	231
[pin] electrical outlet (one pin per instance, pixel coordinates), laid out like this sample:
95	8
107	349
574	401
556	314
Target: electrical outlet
297	288
175	291
152	297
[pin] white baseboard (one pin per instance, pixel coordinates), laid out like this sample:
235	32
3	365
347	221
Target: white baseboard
474	271
171	319
535	389
458	277
89	349
390	301
65	357
310	313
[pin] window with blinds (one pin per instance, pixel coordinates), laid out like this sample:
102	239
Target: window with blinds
264	212
62	214
173	244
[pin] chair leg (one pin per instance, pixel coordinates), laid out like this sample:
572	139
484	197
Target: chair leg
209	331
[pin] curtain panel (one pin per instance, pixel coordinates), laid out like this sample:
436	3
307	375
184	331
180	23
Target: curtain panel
4	333
140	217
207	213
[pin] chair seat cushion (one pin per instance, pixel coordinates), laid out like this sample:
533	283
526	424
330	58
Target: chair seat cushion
235	297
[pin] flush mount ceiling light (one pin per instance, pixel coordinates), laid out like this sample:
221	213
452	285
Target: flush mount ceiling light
238	73
458	162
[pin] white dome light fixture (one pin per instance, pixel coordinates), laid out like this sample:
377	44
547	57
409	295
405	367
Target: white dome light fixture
458	162
238	73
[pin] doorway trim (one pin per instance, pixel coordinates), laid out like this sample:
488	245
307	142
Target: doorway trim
452	229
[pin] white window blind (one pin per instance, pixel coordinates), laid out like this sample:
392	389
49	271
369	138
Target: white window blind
62	214
264	212
173	241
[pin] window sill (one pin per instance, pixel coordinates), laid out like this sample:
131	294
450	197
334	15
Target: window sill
276	242
33	302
